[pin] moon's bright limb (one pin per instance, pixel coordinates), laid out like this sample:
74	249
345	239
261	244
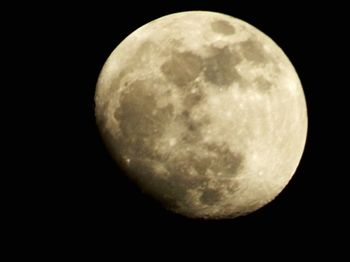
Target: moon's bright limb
205	112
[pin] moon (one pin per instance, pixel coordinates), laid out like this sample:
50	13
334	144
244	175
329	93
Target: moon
204	112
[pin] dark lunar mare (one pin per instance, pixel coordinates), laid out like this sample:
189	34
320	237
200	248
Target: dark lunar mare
142	123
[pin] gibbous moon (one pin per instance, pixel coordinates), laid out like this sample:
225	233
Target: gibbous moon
204	112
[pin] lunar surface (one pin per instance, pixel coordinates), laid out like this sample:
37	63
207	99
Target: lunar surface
204	112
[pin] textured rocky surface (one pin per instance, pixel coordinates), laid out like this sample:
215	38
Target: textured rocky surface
204	112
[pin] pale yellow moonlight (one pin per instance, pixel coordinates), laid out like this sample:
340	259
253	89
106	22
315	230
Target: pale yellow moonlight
204	112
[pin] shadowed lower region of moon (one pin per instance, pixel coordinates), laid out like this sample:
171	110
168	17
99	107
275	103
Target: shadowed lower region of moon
204	112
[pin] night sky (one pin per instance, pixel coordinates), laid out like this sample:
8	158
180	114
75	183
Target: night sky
86	200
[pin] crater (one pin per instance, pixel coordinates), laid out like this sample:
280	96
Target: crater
201	163
193	134
220	67
210	197
226	161
116	82
253	51
145	50
193	99
182	68
222	27
172	190
143	54
263	84
193	127
218	159
168	191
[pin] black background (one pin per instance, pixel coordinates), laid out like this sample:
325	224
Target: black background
82	199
